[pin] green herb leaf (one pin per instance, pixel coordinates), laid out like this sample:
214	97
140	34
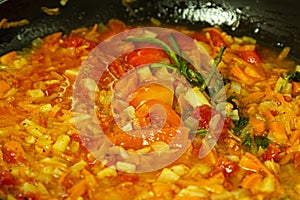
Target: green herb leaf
174	44
217	61
247	141
181	65
262	142
240	124
293	77
202	132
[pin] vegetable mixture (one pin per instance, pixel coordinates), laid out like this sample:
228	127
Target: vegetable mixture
255	107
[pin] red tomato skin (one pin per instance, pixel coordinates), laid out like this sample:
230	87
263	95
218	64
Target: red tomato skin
145	56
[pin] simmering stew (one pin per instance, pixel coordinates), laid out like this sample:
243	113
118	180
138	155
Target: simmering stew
149	100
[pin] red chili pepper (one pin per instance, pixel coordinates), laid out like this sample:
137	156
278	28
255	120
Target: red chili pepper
251	57
145	56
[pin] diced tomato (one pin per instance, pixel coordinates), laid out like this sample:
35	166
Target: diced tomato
145	56
272	152
76	41
227	166
250	56
203	114
6	178
13	152
274	112
200	37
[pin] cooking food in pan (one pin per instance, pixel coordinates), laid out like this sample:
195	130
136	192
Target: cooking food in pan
149	100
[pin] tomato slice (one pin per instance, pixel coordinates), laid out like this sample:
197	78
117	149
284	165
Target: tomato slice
251	57
145	56
161	124
152	91
143	114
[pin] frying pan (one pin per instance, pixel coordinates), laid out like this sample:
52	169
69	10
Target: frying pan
272	22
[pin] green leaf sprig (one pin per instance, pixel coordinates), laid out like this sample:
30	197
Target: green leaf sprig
192	76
